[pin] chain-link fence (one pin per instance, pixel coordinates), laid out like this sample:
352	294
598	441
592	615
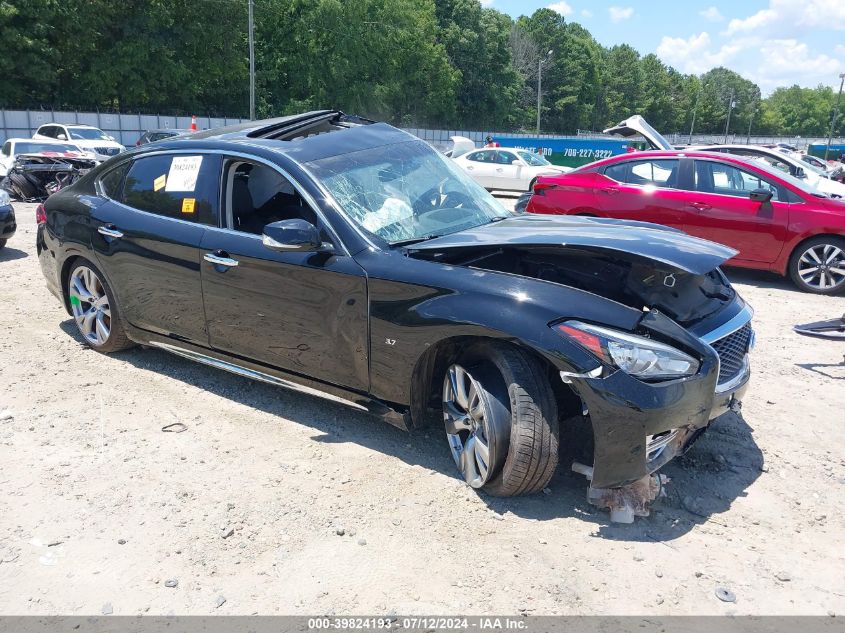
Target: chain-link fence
127	128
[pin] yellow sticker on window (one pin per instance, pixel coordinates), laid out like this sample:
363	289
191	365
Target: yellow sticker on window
159	182
188	205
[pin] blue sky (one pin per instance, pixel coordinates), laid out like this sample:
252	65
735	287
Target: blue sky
772	42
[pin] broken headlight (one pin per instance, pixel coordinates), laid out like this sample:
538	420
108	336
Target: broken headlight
635	355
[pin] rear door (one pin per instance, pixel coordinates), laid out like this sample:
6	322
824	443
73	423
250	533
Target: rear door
647	190
720	210
304	312
148	235
481	165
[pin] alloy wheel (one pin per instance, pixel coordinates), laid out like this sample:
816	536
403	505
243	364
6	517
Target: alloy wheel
822	266
467	426
90	305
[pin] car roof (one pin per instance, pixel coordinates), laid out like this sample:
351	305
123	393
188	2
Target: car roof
39	140
697	153
302	137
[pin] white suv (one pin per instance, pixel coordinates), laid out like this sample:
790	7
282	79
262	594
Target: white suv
90	139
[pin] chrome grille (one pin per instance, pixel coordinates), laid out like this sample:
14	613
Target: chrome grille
732	350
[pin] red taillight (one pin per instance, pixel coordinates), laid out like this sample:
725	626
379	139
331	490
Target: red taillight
540	187
40	214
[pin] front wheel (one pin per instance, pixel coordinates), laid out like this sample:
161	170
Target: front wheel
818	265
95	310
501	420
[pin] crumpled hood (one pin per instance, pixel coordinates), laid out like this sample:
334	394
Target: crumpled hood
673	248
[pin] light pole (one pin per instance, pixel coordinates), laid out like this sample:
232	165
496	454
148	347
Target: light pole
540	63
251	62
731	106
835	115
694	110
750	121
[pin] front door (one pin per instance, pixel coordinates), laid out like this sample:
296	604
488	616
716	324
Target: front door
720	210
301	312
508	175
147	238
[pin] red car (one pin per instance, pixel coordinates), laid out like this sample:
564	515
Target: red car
775	221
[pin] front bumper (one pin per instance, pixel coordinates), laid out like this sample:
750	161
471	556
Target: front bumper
638	427
8	225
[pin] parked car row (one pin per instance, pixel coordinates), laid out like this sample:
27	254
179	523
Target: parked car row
395	282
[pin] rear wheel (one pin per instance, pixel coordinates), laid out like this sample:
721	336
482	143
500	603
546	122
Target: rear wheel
818	265
94	309
501	422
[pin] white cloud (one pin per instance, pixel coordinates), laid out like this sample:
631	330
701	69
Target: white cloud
486	3
694	54
787	16
712	14
586	13
786	62
561	7
620	14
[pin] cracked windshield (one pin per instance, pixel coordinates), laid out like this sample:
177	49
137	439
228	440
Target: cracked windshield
406	192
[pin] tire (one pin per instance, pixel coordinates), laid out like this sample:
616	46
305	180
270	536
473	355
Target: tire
818	265
517	423
94	309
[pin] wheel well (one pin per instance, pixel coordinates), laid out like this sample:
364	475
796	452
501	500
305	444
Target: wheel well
428	372
66	266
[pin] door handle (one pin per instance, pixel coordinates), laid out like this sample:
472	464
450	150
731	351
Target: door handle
700	206
470	168
500	169
109	231
220	258
611	191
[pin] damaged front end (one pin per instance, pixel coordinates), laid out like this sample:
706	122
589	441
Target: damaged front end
650	390
34	177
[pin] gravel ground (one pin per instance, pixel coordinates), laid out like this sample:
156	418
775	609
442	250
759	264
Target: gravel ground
274	502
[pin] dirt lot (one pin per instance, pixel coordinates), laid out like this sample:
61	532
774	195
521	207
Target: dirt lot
100	508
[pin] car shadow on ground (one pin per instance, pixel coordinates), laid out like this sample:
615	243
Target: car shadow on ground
761	279
718	468
835	371
10	254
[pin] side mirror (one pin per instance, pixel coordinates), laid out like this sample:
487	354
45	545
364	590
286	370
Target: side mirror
62	137
291	235
800	173
515	161
761	195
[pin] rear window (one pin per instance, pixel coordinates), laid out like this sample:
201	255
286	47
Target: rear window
178	186
112	182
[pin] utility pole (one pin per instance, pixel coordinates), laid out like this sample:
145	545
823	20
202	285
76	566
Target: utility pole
540	87
750	121
731	105
694	110
835	115
251	62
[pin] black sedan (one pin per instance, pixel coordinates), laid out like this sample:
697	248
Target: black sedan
8	225
332	254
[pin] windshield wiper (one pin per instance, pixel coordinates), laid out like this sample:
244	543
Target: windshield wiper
414	240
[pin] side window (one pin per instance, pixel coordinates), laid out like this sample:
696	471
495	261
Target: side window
47	130
727	180
7	148
617	172
59	132
255	195
659	173
112	182
181	186
505	158
488	156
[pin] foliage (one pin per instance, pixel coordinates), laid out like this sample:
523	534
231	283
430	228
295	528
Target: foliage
450	63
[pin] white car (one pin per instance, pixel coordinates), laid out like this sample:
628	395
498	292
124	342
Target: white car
507	168
90	139
814	176
14	147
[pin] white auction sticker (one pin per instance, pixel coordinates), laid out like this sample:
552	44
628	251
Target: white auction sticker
183	173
